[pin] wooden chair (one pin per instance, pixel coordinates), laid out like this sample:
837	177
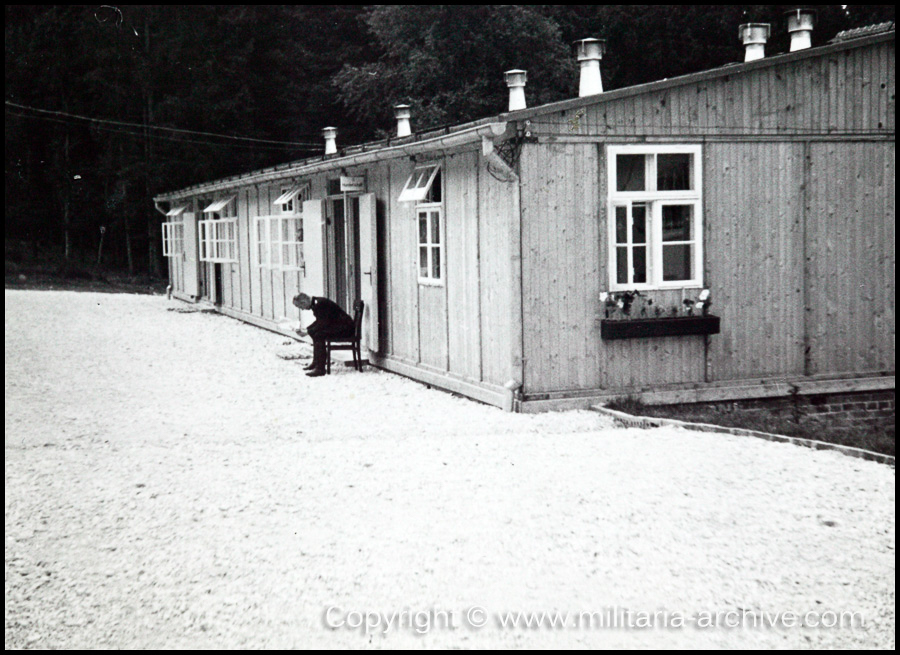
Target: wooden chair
348	344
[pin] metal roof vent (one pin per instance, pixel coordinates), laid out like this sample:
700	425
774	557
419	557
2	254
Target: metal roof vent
754	37
402	114
590	52
330	134
515	80
800	23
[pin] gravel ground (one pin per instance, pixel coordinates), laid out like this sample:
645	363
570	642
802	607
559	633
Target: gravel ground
174	480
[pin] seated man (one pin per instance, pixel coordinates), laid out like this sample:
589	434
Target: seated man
331	322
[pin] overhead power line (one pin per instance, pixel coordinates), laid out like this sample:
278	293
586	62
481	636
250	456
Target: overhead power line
128	132
142	126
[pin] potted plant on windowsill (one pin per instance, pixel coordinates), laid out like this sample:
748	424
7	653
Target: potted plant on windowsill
632	315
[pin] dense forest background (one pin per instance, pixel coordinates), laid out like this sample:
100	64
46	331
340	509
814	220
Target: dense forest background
107	106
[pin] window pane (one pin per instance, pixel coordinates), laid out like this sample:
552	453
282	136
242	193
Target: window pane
436	263
423	227
639	255
622	265
673	172
261	242
639	227
630	173
677	222
423	261
677	263
621	224
435	227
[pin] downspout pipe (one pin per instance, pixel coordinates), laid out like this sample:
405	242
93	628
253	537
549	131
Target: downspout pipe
488	150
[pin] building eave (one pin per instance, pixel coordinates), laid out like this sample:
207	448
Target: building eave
471	133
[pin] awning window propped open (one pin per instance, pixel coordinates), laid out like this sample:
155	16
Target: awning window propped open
419	184
218	205
176	211
290	194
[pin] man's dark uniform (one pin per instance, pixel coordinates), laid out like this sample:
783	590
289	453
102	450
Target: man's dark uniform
331	322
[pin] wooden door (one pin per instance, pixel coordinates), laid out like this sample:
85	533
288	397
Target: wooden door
368	267
313	280
191	256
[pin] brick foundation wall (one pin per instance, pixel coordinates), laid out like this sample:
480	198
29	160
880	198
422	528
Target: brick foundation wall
871	411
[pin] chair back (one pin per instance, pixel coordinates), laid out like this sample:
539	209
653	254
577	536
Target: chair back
358	310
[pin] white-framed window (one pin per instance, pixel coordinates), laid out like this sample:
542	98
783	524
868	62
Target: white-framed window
218	240
218	232
655	216
173	232
424	187
430	248
279	242
173	239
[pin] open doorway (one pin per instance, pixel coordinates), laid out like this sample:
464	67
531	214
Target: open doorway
342	247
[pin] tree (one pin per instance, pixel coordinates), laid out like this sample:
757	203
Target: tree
257	71
158	82
447	62
652	42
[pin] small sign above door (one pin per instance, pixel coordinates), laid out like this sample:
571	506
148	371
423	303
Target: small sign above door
353	183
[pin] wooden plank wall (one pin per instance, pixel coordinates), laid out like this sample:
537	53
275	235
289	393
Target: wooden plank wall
753	252
754	265
246	241
847	91
432	319
852	257
463	326
403	297
463	266
769	201
496	202
561	276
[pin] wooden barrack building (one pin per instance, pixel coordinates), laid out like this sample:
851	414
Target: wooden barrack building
499	259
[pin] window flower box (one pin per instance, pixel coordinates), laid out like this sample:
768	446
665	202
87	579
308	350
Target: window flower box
662	326
621	321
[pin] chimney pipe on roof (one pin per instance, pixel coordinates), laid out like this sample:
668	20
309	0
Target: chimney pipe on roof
515	80
754	37
590	52
330	134
402	114
800	24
